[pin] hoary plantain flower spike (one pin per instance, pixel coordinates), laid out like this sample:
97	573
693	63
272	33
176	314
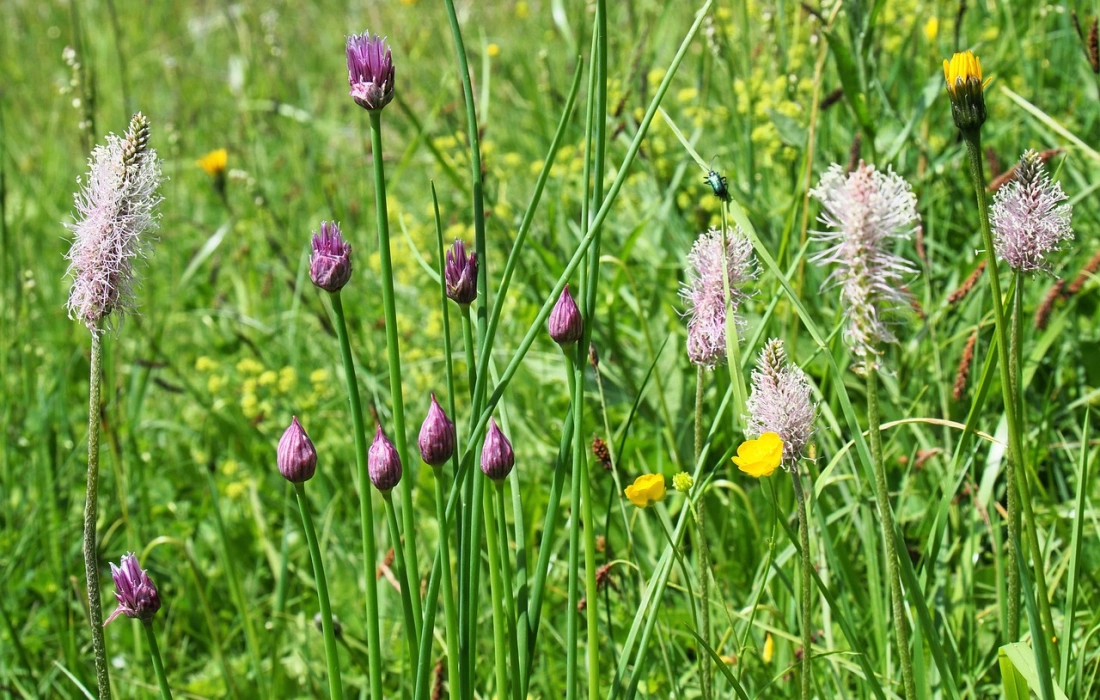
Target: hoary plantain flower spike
1030	217
705	291
780	402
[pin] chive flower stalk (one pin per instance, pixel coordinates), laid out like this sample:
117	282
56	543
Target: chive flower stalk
138	599
330	264
460	272
297	461
116	213
1030	218
711	271
370	70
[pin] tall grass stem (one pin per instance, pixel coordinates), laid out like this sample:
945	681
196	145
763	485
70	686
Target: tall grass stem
332	654
91	502
807	620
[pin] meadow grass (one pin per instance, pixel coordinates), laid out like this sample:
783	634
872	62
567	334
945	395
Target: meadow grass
595	148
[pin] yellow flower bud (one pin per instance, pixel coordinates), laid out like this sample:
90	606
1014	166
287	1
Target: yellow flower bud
682	482
646	490
760	457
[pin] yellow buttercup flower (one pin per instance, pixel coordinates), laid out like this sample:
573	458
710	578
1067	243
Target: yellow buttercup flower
646	490
214	162
760	457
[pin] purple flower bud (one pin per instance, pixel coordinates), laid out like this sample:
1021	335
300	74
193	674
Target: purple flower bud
497	457
370	70
460	272
137	596
437	436
330	264
565	325
383	463
297	458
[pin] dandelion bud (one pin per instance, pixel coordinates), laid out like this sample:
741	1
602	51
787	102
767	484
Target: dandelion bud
437	436
136	594
566	325
1029	216
966	90
296	457
370	70
460	272
330	264
383	463
497	457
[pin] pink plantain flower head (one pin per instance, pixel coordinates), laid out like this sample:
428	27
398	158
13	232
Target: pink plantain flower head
1029	218
868	212
780	402
705	292
370	70
137	595
116	212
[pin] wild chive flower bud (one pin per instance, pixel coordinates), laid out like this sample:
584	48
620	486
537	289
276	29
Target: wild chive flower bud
780	402
705	292
330	264
460	272
966	90
497	457
868	211
116	212
370	70
565	324
437	436
383	463
136	594
1028	217
297	457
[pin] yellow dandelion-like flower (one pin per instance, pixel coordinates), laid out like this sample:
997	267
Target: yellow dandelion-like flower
646	490
760	457
214	162
966	89
682	482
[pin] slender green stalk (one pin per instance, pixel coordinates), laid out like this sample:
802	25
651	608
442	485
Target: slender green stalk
509	595
158	665
366	507
592	598
973	140
495	585
469	548
473	549
332	655
468	346
886	513
91	560
733	339
393	353
412	622
807	621
572	642
450	612
1013	571
704	583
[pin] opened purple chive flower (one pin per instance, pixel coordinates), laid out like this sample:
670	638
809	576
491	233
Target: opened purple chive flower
705	291
383	463
136	594
460	272
1029	218
115	215
780	402
297	457
330	264
497	457
437	436
565	324
868	212
370	70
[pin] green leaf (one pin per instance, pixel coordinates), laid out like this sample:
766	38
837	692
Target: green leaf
849	82
1018	672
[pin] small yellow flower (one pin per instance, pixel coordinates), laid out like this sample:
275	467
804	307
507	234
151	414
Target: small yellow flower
493	50
205	364
249	366
319	376
522	10
769	648
215	383
931	28
214	162
760	457
962	67
268	378
646	490
682	482
288	379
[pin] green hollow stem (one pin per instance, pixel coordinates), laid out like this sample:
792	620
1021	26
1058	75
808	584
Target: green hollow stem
572	613
500	650
973	140
450	612
412	621
591	595
704	583
507	591
1012	570
886	513
332	655
158	664
733	339
91	502
468	346
366	507
473	587
470	560
393	353
807	621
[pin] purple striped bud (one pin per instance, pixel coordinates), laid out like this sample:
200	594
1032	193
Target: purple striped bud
566	325
497	457
460	272
330	264
370	70
437	436
297	458
383	463
136	594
